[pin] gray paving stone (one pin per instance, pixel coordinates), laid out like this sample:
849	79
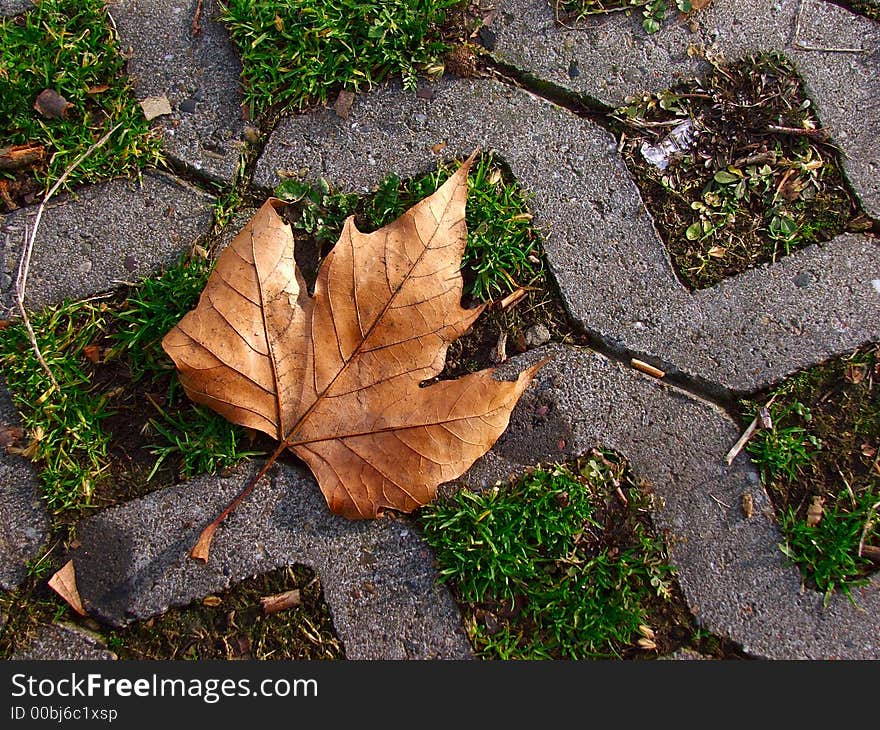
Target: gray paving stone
616	59
729	566
378	577
65	642
612	269
14	7
104	234
24	524
199	75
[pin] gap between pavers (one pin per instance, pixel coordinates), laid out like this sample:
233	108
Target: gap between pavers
730	568
613	271
377	576
100	236
198	74
64	642
24	525
610	57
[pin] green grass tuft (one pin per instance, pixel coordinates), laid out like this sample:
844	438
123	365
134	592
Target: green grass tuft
67	46
556	576
501	251
65	428
823	446
295	52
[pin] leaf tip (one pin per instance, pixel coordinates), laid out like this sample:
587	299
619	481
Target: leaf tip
63	582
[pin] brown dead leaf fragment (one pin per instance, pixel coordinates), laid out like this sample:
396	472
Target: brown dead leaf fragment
815	511
336	377
64	584
51	104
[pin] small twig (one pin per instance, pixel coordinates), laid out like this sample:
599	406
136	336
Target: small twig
25	262
723	504
821	134
796	40
747	434
196	25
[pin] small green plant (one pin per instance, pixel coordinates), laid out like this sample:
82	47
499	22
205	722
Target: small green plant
501	246
65	426
152	308
829	551
545	568
736	168
785	449
67	46
202	440
296	52
819	463
653	11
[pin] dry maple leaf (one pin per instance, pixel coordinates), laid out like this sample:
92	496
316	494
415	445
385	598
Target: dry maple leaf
336	377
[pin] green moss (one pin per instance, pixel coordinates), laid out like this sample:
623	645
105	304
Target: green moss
67	46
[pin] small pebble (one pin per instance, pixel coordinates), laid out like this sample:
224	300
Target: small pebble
803	280
537	335
188	106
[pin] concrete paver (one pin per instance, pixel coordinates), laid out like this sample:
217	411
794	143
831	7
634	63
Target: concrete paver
100	236
615	58
64	642
730	568
199	75
612	269
24	525
377	576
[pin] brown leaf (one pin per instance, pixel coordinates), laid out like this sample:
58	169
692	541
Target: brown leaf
281	601
212	601
336	377
815	510
748	505
10	435
51	104
64	584
342	105
97	89
854	373
92	353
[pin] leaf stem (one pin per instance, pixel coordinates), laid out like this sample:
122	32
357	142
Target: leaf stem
203	545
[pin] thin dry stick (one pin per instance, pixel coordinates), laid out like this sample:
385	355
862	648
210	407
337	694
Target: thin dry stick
25	262
796	41
747	434
197	15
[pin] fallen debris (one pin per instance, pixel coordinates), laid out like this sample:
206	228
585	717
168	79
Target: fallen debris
155	106
64	584
281	601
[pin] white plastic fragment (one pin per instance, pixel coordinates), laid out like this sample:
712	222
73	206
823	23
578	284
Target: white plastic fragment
677	142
